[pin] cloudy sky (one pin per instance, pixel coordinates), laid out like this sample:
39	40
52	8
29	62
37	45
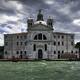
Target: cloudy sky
14	15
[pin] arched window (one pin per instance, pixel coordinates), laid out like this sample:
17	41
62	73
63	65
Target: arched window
40	36
44	37
35	38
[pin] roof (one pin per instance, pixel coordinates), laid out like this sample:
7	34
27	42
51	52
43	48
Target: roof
63	33
40	22
17	33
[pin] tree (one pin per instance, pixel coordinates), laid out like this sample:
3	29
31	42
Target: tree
78	46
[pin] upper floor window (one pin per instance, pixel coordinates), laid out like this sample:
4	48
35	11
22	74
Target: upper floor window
72	43
62	43
62	52
17	43
6	52
44	37
17	52
17	37
72	37
54	36
21	43
21	37
62	37
54	43
25	37
6	36
40	37
58	36
6	43
58	43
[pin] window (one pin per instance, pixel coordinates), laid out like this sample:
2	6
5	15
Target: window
62	43
21	37
71	51
25	52
17	37
17	43
6	52
34	47
25	43
58	36
71	43
58	43
62	37
54	43
54	36
21	52
25	37
72	37
21	43
5	36
62	52
6	43
44	37
76	52
54	52
59	52
45	47
17	52
35	38
40	36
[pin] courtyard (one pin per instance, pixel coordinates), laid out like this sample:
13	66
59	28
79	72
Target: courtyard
40	70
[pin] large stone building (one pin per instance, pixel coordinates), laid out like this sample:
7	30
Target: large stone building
39	42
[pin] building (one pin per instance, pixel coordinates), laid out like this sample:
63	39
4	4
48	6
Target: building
39	41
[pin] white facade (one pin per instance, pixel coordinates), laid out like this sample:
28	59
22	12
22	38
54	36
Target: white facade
39	42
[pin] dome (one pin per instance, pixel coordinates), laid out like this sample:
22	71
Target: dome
40	22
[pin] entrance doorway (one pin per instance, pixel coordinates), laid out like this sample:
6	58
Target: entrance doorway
40	54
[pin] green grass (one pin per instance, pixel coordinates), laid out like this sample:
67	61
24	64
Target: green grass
40	70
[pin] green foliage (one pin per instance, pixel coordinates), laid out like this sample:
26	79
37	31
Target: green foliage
77	45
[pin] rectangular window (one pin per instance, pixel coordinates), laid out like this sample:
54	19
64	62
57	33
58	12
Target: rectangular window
34	47
72	43
58	36
25	52
45	47
54	52
17	37
25	43
54	36
62	43
21	43
17	43
62	37
6	43
58	43
17	52
62	52
54	43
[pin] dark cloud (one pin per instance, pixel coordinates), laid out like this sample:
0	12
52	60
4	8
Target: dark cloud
63	20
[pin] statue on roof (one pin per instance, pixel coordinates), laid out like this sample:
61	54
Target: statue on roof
40	16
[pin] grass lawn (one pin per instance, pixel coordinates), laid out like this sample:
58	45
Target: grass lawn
40	70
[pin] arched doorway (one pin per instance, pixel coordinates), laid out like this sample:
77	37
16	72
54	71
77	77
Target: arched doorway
40	54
